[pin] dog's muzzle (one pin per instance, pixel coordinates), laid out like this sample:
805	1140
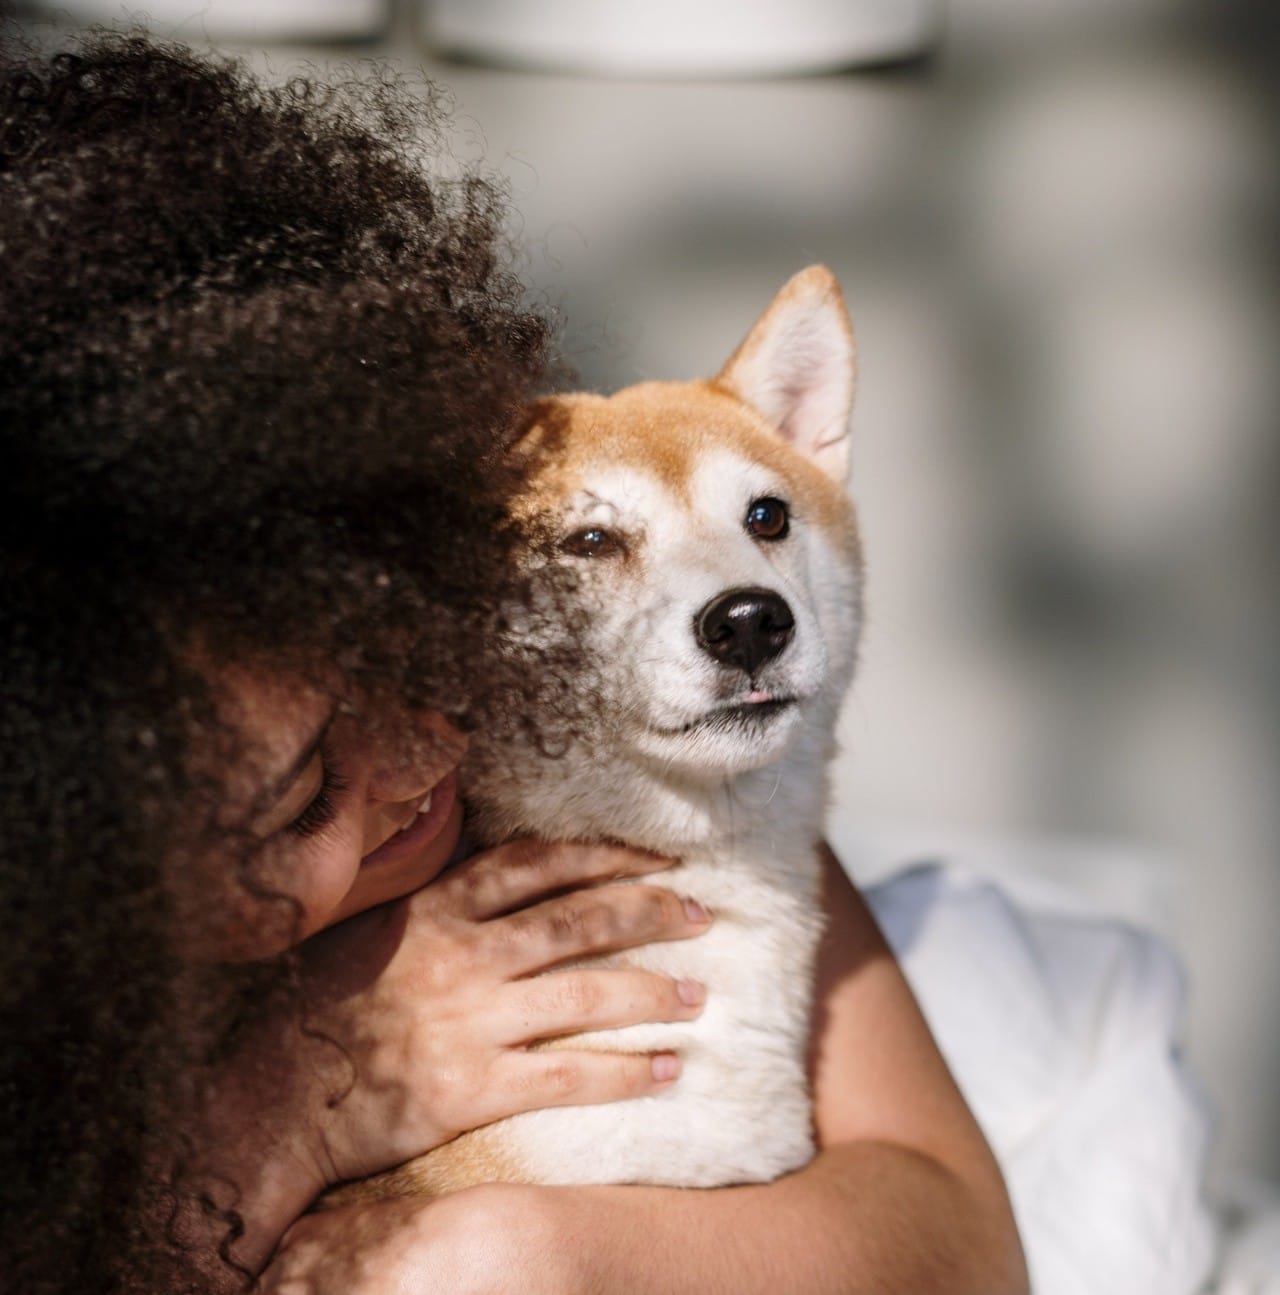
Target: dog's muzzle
744	628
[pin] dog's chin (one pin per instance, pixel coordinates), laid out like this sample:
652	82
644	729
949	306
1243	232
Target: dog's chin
726	739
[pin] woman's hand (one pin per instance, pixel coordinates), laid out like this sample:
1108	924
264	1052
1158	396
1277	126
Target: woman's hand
435	998
415	1021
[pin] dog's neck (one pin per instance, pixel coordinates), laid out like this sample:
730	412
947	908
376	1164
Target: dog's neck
597	792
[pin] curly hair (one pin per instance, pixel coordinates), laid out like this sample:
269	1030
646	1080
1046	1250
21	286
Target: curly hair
257	374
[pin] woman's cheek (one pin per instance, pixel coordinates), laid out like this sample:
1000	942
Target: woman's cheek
325	868
380	883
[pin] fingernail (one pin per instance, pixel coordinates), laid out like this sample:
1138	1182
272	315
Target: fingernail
691	992
695	912
666	1067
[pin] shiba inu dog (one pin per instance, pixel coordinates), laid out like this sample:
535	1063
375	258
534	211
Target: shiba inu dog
718	566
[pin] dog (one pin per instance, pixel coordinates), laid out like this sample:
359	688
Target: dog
714	555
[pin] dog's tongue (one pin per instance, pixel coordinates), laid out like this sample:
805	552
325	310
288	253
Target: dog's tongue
756	695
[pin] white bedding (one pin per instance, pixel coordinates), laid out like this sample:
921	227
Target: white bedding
1063	1031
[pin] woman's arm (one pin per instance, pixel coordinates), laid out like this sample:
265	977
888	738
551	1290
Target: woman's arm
904	1195
438	987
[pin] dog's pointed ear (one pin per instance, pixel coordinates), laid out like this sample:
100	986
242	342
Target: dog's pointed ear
797	367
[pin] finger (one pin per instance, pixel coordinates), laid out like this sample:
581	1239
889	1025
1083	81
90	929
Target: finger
529	1081
602	919
520	873
569	1002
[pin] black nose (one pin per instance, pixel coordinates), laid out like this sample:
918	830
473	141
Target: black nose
744	628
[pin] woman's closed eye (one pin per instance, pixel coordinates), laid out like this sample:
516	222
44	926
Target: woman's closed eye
322	808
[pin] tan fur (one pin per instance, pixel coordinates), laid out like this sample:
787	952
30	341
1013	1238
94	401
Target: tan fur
475	1157
664	428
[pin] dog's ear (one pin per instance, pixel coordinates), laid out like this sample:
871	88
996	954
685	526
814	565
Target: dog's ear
797	366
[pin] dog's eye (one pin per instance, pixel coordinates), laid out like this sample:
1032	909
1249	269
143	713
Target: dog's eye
593	542
767	519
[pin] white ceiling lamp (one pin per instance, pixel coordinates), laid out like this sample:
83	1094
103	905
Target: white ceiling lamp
247	20
684	37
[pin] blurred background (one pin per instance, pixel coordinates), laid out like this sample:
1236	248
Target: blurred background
1054	221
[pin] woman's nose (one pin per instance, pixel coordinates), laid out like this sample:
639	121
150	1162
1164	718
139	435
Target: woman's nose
406	769
394	783
403	771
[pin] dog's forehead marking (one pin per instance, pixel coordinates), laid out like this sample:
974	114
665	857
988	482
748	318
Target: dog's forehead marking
666	430
610	492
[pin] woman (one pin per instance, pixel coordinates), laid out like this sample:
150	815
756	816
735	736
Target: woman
258	374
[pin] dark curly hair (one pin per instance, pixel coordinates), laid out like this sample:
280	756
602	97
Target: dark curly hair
257	374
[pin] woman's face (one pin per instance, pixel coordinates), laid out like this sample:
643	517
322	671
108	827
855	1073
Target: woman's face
340	814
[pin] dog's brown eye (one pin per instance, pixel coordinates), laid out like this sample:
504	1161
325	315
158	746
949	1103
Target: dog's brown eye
593	542
767	519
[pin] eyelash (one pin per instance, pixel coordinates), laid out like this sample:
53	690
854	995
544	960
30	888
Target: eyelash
323	807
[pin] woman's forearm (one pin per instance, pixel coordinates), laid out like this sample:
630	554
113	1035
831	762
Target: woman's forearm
873	1217
862	1217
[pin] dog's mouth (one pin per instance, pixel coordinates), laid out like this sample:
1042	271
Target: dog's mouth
744	715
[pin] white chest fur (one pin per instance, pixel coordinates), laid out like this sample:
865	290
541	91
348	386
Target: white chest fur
740	1111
